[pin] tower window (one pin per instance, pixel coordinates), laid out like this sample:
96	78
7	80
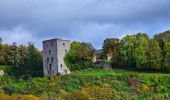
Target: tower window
49	52
52	59
61	65
47	45
51	43
65	50
47	60
63	44
50	67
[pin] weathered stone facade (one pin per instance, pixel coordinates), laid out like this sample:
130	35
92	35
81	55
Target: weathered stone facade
54	51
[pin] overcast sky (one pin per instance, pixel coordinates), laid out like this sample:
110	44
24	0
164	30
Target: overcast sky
92	21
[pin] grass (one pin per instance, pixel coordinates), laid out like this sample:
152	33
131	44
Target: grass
94	72
4	67
100	72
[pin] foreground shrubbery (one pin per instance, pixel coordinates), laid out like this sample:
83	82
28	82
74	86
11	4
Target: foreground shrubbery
18	97
92	87
97	93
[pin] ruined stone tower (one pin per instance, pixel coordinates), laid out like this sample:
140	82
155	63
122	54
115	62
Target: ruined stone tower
54	51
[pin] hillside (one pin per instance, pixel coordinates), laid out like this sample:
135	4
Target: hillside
95	84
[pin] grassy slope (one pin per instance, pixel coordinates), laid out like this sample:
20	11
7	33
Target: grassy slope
75	81
2	67
115	72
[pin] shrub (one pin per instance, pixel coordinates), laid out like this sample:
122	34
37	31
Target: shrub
78	95
143	89
133	81
128	75
83	65
18	97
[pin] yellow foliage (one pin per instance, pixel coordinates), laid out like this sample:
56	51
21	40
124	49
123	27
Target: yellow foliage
99	93
3	96
31	97
90	93
78	95
143	89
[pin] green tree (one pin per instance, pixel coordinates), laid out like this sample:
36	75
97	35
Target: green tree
80	56
154	55
0	41
166	50
162	38
15	56
33	65
110	44
23	51
6	54
127	50
114	50
1	54
140	50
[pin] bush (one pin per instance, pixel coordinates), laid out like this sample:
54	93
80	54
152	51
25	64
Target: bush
98	93
18	97
143	89
128	75
82	65
78	95
133	81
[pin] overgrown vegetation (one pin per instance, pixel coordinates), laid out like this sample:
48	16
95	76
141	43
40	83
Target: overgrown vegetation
89	84
23	71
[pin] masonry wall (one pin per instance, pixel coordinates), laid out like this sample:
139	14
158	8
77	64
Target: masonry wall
54	51
62	48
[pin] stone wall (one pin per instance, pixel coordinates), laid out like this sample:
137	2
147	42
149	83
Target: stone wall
54	51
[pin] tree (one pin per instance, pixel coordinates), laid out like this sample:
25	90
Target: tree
23	51
127	50
30	64
114	50
80	56
15	56
1	54
6	54
33	64
166	50
110	44
0	41
154	55
140	50
162	38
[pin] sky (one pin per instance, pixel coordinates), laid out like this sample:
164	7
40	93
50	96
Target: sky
93	21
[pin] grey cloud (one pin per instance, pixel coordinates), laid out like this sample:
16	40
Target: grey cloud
77	19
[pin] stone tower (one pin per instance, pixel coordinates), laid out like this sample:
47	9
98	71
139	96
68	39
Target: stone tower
54	51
